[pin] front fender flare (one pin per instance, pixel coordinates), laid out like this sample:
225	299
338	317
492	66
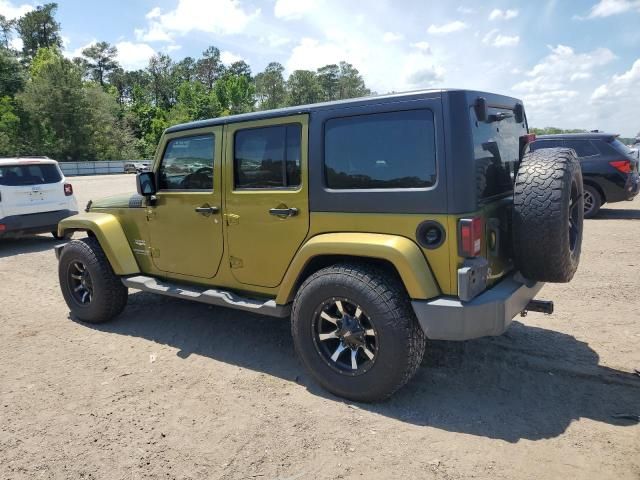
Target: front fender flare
401	252
109	233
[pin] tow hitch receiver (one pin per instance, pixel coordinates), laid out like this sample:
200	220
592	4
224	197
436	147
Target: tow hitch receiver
542	306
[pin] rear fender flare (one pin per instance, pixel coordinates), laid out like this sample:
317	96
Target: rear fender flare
402	253
109	233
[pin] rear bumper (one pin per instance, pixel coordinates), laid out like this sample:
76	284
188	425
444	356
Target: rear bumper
44	222
489	314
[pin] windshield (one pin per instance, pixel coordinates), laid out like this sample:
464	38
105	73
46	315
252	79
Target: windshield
35	174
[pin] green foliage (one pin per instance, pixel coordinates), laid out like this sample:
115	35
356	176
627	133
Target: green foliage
270	87
9	128
303	88
12	75
39	29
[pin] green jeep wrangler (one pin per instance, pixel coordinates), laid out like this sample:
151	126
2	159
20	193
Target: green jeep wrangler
374	224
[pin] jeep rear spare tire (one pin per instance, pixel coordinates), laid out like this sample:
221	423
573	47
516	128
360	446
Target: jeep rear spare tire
548	211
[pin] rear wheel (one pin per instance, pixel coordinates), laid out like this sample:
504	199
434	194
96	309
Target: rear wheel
592	201
355	331
93	292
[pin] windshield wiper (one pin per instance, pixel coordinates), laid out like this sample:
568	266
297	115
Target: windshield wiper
498	117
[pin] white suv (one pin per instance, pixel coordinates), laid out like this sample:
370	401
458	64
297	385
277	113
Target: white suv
34	196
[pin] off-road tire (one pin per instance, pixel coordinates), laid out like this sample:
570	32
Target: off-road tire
597	201
401	340
109	294
548	203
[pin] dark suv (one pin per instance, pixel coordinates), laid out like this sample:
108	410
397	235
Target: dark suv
609	169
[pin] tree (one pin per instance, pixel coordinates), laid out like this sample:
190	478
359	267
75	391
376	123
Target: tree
39	29
185	70
163	83
303	88
209	68
270	87
12	75
239	68
9	128
101	61
350	82
235	94
6	28
328	77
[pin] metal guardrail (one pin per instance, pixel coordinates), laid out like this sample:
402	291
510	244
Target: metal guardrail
94	168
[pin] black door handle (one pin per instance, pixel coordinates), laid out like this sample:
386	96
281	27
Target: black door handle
207	210
284	212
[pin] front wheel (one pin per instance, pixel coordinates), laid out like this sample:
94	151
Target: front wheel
93	292
355	331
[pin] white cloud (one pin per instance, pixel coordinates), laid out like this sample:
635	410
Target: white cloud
274	40
447	28
497	14
11	11
551	88
134	56
496	39
78	51
607	8
292	9
424	46
16	43
617	102
172	48
228	57
223	17
465	10
391	37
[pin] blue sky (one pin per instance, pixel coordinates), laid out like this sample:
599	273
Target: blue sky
575	63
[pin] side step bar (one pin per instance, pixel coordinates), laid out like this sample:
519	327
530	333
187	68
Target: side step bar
210	296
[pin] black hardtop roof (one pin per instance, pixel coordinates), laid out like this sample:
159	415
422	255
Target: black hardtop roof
574	136
373	99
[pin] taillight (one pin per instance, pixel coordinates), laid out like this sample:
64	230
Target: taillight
470	239
623	166
68	189
526	140
3	227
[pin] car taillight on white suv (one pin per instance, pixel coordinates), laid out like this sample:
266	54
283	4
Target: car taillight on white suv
68	189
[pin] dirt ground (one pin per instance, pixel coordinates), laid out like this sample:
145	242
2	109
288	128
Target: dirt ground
173	389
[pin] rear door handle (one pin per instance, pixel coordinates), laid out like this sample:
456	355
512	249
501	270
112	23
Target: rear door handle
206	210
284	212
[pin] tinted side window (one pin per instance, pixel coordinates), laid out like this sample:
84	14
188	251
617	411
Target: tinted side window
268	157
187	164
381	150
583	148
16	175
538	144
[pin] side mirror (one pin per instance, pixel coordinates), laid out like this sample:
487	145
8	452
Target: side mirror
146	183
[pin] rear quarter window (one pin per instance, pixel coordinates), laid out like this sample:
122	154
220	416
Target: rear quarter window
583	148
391	150
34	174
496	149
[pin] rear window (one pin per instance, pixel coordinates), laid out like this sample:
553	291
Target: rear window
35	174
620	147
381	150
496	148
538	144
583	148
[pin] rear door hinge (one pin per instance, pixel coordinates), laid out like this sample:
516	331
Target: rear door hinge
235	262
232	218
151	214
155	252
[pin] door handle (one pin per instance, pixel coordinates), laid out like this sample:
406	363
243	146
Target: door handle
284	212
207	210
